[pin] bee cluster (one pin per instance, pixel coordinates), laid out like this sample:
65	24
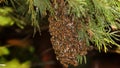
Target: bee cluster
66	45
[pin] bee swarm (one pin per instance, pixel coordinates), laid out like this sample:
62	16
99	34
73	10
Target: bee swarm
63	30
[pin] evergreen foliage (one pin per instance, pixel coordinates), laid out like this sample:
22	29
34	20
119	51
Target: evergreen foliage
98	21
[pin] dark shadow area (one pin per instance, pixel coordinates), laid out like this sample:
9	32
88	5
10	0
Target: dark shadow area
44	56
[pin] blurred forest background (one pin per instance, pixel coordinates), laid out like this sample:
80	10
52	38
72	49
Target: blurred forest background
59	33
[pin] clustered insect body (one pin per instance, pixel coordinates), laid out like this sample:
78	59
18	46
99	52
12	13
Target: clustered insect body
64	38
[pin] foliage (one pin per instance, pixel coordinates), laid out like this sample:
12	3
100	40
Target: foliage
77	7
99	22
5	18
4	51
33	13
81	59
43	6
14	63
99	19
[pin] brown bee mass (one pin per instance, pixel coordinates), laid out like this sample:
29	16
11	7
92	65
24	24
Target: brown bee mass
63	30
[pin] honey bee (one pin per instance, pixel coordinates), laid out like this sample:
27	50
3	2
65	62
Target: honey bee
65	38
